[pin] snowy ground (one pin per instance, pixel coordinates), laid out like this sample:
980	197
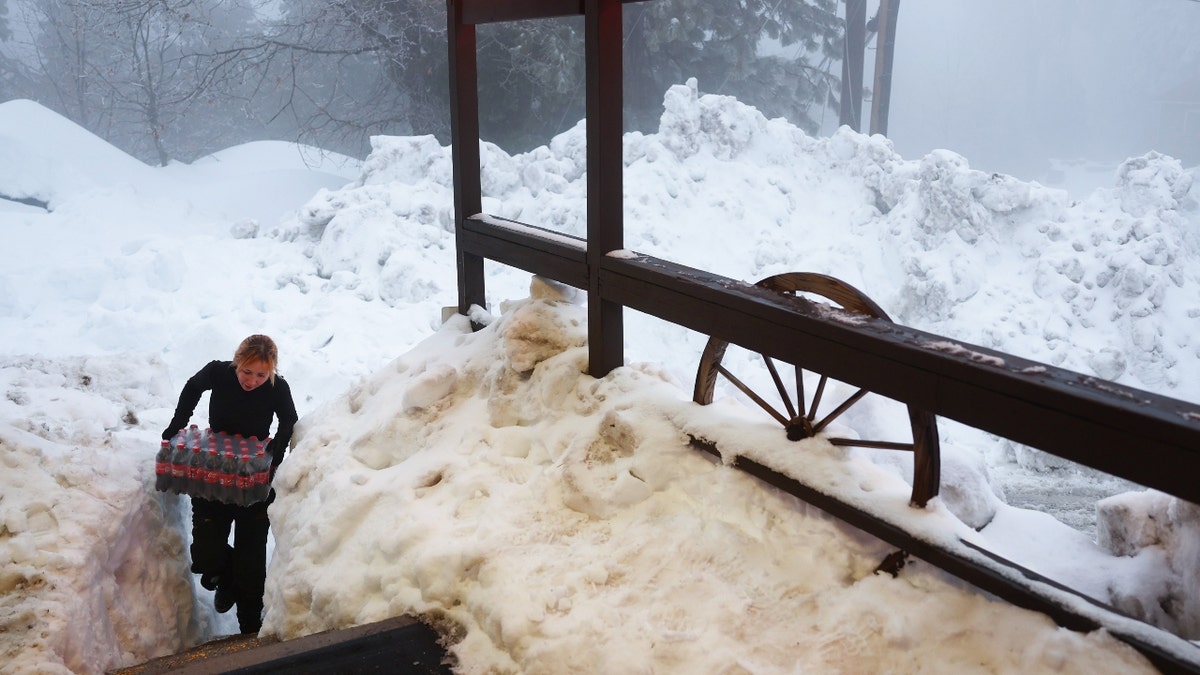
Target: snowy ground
483	481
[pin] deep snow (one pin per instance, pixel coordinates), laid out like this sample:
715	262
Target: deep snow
483	481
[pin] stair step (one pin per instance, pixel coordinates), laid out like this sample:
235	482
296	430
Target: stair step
397	645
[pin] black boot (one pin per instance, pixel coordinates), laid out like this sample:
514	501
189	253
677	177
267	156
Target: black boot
224	598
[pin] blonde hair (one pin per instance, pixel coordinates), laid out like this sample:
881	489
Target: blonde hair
257	348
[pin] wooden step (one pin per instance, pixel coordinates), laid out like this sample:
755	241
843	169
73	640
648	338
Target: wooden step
397	645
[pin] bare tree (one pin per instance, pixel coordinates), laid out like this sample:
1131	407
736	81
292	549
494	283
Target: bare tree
342	71
346	70
5	33
131	71
531	73
61	50
720	44
165	78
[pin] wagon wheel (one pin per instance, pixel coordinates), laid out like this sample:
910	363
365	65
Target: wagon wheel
799	416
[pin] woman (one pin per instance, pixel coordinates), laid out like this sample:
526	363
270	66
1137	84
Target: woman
246	394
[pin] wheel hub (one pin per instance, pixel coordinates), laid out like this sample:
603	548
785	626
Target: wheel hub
799	428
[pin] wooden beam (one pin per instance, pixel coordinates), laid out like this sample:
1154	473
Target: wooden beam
1149	439
561	257
399	644
494	11
603	33
1008	581
464	140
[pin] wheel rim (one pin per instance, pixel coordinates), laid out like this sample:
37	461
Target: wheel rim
798	415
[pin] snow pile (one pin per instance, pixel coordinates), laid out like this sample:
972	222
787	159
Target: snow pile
572	529
94	562
31	165
1166	530
429	468
1105	286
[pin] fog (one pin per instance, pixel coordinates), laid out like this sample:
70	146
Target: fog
1014	84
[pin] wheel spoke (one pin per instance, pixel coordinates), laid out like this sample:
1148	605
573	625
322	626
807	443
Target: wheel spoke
840	409
799	372
864	443
812	412
753	396
783	394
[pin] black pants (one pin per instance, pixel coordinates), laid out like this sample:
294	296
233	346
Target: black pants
242	567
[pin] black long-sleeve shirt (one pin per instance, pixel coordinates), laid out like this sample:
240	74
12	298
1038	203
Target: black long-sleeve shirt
234	410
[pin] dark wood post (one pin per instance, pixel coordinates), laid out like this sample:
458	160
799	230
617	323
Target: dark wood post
464	140
605	203
854	43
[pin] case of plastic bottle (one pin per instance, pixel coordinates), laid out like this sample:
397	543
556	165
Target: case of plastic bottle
212	465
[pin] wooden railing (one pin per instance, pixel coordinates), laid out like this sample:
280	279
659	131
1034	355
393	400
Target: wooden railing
1147	438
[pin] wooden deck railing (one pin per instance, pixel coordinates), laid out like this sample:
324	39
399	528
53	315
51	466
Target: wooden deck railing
1147	438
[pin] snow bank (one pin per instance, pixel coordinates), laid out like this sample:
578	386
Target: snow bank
1155	526
158	271
550	522
90	555
1105	285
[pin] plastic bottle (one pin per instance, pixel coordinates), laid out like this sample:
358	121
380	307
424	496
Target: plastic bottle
262	474
179	467
176	439
162	467
226	489
212	472
195	481
245	481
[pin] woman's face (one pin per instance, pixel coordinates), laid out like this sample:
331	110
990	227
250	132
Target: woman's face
252	374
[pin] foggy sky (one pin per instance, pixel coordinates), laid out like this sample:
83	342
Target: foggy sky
1011	83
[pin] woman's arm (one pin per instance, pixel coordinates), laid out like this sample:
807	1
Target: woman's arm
285	411
189	397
